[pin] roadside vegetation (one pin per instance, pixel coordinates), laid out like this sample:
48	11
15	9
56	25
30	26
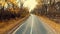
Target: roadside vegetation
52	11
11	11
11	15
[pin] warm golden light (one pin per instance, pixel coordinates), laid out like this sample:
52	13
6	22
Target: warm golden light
30	4
5	5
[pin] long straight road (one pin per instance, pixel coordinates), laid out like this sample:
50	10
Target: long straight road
34	25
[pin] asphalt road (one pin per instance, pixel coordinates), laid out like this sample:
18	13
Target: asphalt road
34	25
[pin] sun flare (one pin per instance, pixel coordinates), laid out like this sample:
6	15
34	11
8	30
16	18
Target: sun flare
30	4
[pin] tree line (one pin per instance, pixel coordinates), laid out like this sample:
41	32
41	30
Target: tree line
12	11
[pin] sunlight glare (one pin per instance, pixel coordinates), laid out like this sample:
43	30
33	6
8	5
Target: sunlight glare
5	6
30	4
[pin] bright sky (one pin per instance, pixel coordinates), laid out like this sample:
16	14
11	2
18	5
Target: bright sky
30	4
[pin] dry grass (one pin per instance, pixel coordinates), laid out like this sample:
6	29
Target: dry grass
9	24
54	25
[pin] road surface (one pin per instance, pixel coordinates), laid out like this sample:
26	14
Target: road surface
34	25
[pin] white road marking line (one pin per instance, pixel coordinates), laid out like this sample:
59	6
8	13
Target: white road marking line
18	28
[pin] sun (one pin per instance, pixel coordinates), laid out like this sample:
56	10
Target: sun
30	4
